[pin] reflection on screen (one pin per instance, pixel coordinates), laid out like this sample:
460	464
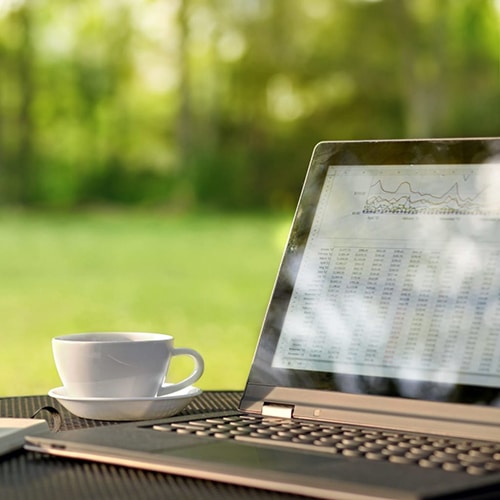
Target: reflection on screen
400	276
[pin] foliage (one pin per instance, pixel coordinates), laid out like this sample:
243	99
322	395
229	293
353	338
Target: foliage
219	102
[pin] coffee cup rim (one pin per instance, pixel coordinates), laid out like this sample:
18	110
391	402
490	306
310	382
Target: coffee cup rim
112	337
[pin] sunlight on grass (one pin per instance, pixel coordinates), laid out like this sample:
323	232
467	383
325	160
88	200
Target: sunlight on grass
204	279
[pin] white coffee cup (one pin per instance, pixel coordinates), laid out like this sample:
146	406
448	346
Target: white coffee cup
119	364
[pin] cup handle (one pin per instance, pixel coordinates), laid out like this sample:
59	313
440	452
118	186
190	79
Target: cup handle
195	375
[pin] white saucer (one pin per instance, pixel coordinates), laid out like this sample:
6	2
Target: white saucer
126	408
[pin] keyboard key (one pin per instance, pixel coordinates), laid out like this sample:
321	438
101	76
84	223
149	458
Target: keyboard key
418	453
476	470
401	459
429	464
468	459
352	452
453	467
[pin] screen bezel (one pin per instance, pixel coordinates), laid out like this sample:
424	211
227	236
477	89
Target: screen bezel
325	155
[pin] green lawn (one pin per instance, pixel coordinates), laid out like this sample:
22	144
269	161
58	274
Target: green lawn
205	279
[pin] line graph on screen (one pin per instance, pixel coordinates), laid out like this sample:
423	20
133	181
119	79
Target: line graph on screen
415	196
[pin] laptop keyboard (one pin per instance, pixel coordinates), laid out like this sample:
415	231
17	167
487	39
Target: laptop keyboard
456	455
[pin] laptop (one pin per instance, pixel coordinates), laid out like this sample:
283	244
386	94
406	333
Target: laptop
377	369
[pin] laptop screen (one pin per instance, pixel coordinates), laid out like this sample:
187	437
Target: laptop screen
390	282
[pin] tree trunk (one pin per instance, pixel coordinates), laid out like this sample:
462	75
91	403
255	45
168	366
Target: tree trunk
23	173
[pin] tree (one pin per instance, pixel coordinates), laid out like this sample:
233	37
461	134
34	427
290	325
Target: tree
222	101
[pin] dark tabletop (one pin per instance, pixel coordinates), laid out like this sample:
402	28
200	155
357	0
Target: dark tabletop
27	475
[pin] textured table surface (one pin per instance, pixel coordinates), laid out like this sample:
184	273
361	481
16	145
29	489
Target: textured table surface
26	475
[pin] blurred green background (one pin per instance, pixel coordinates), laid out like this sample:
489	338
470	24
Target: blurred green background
152	152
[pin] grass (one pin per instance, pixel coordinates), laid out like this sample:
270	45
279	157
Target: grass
204	279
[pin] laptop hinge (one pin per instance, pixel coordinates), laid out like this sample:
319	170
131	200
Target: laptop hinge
277	410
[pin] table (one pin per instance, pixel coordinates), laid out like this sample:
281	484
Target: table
27	475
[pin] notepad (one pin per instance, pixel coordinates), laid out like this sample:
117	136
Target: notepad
13	430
